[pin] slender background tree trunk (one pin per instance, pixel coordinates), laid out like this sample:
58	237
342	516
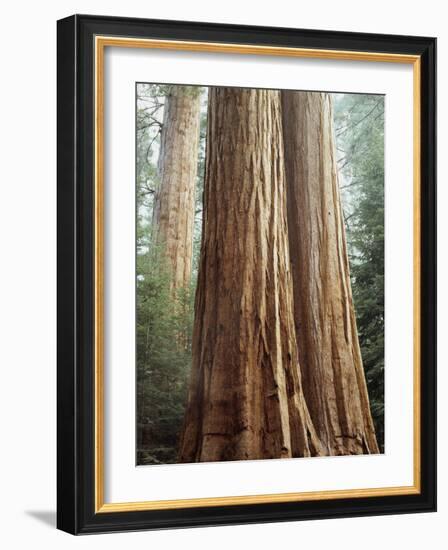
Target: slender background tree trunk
174	205
333	376
245	399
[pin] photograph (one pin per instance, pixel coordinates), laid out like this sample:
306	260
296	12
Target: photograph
246	274
259	273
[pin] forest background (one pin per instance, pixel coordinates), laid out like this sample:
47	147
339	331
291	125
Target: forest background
163	367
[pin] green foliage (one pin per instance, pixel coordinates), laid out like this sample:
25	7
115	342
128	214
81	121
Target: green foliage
360	139
164	325
164	318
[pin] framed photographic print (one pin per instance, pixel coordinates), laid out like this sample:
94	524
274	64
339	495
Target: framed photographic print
246	274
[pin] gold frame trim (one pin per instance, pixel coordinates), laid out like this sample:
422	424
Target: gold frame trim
101	42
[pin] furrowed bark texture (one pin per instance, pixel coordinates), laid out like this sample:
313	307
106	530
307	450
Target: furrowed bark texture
245	399
332	371
174	201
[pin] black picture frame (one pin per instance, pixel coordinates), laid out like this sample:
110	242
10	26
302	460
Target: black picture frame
76	269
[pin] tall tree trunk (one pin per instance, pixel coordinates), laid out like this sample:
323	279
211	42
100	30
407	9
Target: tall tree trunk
174	204
245	399
332	371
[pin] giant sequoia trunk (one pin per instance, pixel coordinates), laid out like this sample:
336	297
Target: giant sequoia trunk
245	399
174	204
332	372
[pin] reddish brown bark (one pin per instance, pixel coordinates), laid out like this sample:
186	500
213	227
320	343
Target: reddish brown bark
174	205
245	399
332	371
